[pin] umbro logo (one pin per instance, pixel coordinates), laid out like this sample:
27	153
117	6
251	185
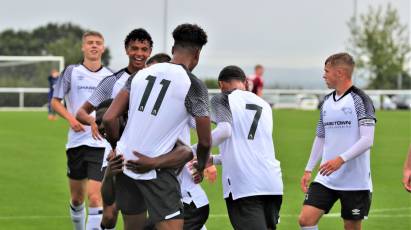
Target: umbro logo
306	196
355	212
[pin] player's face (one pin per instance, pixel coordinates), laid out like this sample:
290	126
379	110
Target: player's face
93	47
330	76
259	71
138	52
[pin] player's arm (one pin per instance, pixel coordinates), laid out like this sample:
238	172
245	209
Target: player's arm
62	88
111	120
407	172
84	117
203	127
315	156
115	166
366	121
177	158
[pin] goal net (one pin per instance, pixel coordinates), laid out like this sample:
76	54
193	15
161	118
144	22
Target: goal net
24	80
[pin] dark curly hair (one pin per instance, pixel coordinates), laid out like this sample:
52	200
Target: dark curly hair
139	34
189	36
158	58
232	72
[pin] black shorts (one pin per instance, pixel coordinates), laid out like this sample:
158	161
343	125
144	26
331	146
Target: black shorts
195	218
355	205
128	197
254	212
161	197
84	162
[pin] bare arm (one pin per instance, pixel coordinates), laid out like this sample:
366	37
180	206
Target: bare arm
111	118
204	141
177	158
407	172
83	116
62	111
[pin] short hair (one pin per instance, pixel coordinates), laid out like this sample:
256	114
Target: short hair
92	33
258	66
189	36
139	34
159	58
232	72
339	59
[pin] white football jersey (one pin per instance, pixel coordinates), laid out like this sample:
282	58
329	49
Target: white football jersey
248	157
75	85
163	97
339	126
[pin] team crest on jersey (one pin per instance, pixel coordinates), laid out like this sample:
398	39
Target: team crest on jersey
346	110
324	113
80	77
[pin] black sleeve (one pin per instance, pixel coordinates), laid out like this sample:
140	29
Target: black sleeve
220	109
196	101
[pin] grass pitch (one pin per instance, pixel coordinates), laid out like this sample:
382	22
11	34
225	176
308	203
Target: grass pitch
34	189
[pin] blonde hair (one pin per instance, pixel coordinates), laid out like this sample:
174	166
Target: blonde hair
92	33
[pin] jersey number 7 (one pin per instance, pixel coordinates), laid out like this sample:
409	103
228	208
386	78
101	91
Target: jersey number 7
151	80
257	116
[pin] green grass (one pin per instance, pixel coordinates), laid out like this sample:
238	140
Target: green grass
34	190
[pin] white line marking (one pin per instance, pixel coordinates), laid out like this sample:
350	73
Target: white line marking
378	214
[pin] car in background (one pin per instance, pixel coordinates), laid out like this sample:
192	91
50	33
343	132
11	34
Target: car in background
383	102
402	101
307	102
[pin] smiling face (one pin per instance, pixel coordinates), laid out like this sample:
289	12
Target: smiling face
138	52
93	47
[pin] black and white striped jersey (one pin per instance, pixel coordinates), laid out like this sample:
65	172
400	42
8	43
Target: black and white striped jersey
109	87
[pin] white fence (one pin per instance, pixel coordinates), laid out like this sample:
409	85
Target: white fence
278	98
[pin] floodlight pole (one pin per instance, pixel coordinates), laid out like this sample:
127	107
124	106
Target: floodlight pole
165	17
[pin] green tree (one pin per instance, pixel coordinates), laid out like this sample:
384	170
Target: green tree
51	39
380	44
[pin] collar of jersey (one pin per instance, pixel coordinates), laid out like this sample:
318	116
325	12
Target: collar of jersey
346	93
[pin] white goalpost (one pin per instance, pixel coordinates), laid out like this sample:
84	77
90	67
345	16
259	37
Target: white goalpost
17	95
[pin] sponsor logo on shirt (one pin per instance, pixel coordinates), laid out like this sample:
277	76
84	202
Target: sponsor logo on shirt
86	87
337	124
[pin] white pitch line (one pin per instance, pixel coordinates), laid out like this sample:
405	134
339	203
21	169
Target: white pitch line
378	214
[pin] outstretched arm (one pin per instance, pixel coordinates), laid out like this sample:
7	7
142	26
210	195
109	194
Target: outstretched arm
315	156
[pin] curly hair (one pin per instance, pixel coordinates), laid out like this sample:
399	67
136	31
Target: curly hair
139	34
232	72
189	36
158	58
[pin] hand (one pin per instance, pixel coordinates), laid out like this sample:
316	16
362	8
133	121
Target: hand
331	166
406	180
142	165
115	164
76	125
195	173
305	180
94	132
210	174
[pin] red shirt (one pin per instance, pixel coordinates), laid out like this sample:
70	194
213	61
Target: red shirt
257	84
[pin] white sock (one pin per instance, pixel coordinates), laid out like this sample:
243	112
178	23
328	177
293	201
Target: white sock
94	218
78	216
310	227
